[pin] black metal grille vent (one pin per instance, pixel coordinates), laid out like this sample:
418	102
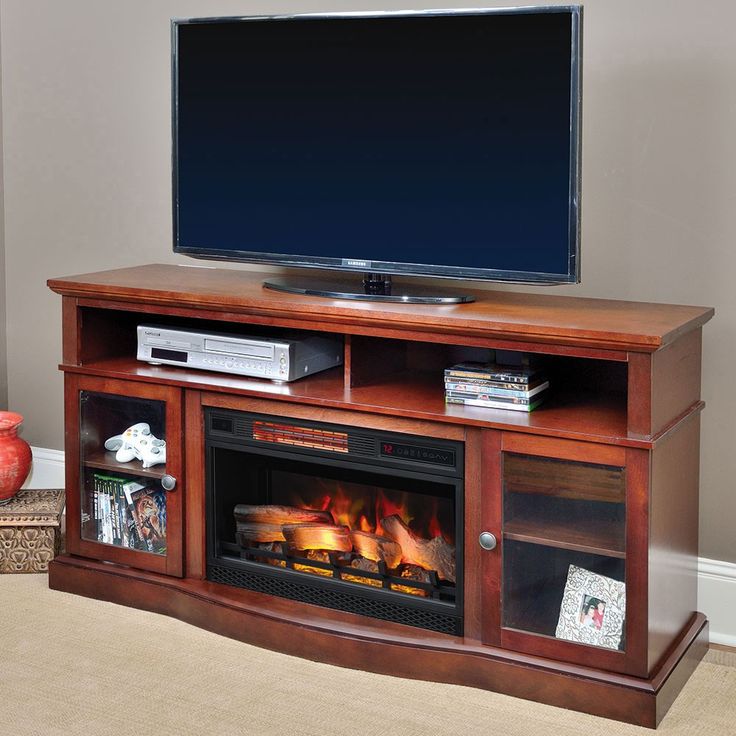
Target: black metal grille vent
384	610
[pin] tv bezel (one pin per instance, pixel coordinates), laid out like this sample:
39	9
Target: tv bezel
398	268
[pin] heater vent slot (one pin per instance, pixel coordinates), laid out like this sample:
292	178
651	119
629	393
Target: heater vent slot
314	438
381	609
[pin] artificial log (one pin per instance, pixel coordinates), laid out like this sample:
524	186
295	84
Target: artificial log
434	554
415	573
376	548
361	563
318	536
257	532
319	555
271	514
272	547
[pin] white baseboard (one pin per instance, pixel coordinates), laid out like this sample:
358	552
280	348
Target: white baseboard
47	470
717	599
716	579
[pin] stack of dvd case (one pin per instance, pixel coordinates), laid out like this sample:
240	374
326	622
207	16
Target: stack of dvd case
129	513
496	386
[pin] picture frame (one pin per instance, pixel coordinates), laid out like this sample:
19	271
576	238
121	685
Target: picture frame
593	609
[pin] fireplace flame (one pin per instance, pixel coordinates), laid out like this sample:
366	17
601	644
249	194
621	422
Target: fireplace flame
417	539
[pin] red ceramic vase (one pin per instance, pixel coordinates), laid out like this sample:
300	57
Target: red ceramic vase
15	456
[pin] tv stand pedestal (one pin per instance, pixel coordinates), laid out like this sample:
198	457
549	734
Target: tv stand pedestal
375	287
603	477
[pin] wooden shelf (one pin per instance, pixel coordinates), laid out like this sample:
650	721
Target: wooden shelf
103	460
597	537
567	414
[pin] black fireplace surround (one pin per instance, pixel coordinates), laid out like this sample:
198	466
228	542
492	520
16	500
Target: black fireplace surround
358	477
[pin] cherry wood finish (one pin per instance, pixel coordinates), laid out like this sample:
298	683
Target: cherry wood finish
602	323
664	385
673	535
343	639
563	479
172	562
568	414
624	408
603	484
194	508
106	461
475	584
491	514
585	452
600	538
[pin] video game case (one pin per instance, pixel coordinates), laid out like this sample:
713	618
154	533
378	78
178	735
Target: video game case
493	372
490	397
497	404
147	508
493	389
511	385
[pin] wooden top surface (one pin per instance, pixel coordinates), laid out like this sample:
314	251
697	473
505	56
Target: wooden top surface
599	323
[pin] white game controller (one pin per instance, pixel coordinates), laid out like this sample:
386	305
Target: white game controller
137	443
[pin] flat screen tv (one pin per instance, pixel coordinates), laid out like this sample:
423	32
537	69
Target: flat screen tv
436	143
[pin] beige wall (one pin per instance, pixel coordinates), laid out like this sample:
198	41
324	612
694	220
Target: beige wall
3	352
87	185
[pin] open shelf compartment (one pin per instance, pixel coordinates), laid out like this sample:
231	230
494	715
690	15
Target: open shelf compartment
564	533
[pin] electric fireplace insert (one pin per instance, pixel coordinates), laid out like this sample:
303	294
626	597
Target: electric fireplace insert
357	520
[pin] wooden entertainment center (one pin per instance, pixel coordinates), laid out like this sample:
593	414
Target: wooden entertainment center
618	437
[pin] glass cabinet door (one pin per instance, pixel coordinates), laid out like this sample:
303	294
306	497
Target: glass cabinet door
564	549
128	472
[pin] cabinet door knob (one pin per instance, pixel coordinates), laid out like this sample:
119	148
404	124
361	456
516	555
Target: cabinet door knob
487	540
168	482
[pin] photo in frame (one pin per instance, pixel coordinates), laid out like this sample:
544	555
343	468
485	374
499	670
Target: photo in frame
593	609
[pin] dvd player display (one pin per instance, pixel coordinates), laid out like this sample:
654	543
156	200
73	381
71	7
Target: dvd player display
280	359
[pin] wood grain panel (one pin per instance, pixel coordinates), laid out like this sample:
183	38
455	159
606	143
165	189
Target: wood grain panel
361	327
347	640
664	385
332	416
195	547
676	378
473	578
491	521
639	396
170	563
586	452
563	479
673	543
571	415
638	485
534	317
71	333
71	465
680	664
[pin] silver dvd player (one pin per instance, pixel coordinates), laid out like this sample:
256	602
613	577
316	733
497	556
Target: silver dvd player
280	359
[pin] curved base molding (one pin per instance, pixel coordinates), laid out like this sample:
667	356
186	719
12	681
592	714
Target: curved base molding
348	640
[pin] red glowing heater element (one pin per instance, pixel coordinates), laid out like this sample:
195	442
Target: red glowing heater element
292	434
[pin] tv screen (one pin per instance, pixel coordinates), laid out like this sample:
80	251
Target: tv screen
441	143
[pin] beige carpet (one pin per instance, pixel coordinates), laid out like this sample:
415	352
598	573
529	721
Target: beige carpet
69	665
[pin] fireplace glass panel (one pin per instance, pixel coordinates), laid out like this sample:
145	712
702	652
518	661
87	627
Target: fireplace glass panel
368	528
122	501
